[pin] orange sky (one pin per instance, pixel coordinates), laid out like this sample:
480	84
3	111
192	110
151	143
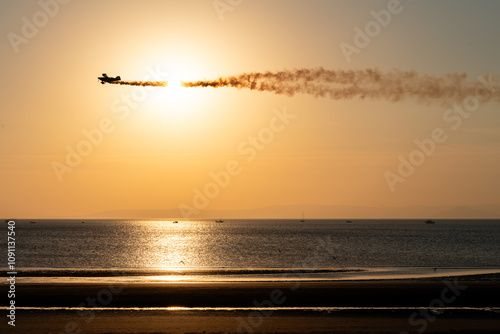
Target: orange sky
160	147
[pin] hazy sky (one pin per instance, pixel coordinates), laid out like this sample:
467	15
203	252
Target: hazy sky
160	148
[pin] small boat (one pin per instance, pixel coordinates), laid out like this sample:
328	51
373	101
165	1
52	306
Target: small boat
303	219
32	222
219	221
348	221
175	222
429	221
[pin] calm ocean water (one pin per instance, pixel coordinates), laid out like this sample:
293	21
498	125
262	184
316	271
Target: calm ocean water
244	245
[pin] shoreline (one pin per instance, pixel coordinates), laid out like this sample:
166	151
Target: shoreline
249	275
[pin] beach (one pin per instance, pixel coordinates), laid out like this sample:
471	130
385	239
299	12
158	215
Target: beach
458	305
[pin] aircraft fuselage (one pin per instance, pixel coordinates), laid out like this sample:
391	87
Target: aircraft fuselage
107	79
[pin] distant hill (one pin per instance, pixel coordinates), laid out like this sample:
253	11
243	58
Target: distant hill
470	212
318	212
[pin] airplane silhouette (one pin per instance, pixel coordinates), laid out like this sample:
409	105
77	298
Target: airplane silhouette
105	78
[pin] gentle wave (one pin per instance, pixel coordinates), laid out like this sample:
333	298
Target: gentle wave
56	272
311	309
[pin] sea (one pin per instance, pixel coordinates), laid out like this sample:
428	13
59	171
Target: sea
250	250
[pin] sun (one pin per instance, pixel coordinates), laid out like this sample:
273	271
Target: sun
174	83
175	95
175	102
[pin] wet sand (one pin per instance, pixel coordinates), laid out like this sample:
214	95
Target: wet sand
278	294
386	297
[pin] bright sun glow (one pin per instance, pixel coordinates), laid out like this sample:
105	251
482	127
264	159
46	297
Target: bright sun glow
175	102
174	84
174	88
179	107
173	94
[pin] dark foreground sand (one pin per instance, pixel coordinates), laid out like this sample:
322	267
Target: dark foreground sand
415	296
245	322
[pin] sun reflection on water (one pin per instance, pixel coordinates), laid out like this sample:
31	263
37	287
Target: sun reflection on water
174	246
